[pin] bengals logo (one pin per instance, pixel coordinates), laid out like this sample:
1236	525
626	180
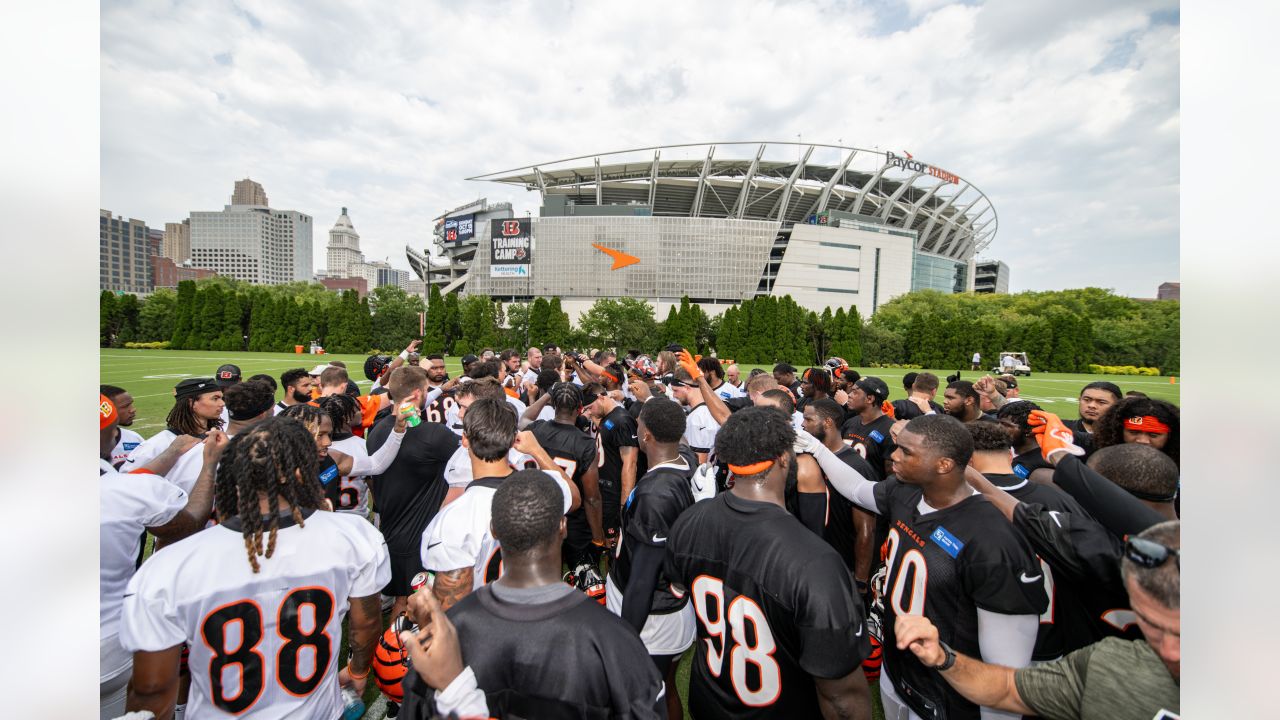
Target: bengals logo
451	235
105	409
520	253
510	227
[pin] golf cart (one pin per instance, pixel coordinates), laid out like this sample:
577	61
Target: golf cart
1020	364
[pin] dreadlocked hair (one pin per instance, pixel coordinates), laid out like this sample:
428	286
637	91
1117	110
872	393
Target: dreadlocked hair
342	409
307	414
275	459
182	418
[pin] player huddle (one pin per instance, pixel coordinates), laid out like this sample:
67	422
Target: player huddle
548	536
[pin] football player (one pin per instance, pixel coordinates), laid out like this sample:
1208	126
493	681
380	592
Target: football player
618	451
297	388
197	408
867	426
264	632
129	440
777	636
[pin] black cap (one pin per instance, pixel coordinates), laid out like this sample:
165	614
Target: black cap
192	387
873	386
674	347
469	358
227	375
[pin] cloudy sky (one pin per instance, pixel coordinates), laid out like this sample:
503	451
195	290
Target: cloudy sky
1065	114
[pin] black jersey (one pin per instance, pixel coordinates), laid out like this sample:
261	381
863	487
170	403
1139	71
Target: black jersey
411	489
904	409
657	501
775	608
575	451
616	431
1067	624
1028	462
945	565
567	658
871	440
840	532
1080	436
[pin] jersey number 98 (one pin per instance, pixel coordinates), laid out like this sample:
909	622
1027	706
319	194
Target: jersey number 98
708	603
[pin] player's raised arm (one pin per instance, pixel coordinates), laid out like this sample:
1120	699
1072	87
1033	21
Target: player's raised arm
988	686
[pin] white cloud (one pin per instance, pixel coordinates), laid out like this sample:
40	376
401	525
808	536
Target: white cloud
1065	115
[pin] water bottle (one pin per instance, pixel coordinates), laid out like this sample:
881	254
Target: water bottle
353	705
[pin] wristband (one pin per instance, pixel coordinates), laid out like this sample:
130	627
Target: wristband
598	543
354	676
404	355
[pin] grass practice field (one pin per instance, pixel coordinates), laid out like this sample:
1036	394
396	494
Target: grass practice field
149	375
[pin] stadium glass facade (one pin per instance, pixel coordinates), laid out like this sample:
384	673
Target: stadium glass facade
930	272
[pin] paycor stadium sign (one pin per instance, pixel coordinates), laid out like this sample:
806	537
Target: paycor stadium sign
910	164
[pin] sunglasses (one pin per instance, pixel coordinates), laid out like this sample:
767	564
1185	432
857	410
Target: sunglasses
1150	554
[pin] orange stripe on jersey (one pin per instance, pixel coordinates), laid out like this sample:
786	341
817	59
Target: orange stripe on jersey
140	471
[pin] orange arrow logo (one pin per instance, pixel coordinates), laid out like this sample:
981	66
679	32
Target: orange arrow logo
620	259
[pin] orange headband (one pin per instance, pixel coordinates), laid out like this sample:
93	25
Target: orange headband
752	469
1146	423
609	375
106	412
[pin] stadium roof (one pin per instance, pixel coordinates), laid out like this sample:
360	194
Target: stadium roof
783	181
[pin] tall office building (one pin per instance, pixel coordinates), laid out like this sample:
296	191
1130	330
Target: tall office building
124	254
248	192
343	252
1169	291
253	242
177	242
991	276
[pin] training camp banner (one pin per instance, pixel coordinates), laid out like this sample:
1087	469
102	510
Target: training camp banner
511	248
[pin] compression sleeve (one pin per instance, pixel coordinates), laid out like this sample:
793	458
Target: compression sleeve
463	698
646	563
847	480
381	459
1117	510
1006	640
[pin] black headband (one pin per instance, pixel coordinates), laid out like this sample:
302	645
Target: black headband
271	400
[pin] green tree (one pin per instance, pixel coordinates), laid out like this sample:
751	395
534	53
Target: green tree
182	314
452	319
108	318
230	338
539	321
157	316
433	340
620	323
127	310
559	328
395	319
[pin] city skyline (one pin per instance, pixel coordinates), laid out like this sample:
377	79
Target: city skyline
1067	117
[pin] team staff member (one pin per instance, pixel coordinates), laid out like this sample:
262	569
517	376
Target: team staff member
619	453
636	589
1095	399
264	632
533	646
777	637
950	556
129	507
409	492
197	409
129	440
1112	679
867	428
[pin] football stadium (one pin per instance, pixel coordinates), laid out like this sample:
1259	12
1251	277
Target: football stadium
829	225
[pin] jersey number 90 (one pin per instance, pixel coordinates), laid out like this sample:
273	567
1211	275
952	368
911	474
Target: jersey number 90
708	604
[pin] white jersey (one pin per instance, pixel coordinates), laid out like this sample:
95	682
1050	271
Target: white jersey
459	536
129	441
186	470
517	404
700	429
149	449
267	641
457	472
353	493
728	392
127	506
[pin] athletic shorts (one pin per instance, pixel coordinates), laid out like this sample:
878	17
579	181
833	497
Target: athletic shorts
403	567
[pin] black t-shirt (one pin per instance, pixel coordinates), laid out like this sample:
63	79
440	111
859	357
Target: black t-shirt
945	565
616	431
1081	437
904	409
871	440
1068	624
567	658
1028	462
330	481
410	491
647	517
574	451
775	608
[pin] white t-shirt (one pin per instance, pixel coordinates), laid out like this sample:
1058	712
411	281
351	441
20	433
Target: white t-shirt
203	591
547	413
457	472
977	357
459	535
700	429
728	392
127	506
517	404
129	441
149	449
186	471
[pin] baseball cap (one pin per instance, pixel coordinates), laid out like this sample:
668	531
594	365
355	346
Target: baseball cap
874	386
194	386
318	369
106	412
674	347
469	358
590	397
670	379
227	375
1009	381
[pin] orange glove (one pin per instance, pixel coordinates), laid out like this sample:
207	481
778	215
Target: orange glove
1053	436
886	407
689	364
